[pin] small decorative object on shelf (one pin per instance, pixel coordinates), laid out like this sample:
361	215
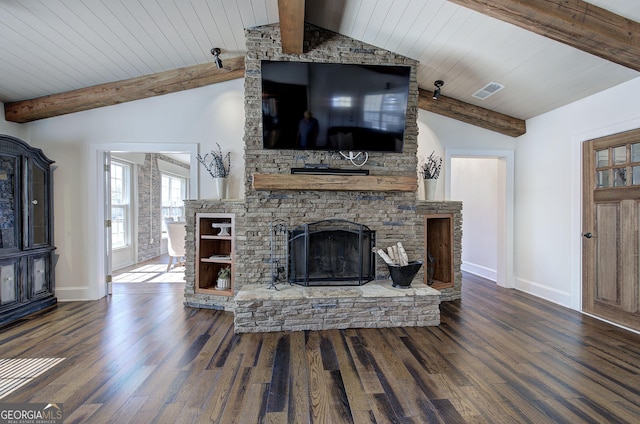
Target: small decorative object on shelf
224	279
430	171
218	167
224	228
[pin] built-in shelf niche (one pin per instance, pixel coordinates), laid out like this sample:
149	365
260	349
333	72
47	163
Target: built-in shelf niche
215	247
438	241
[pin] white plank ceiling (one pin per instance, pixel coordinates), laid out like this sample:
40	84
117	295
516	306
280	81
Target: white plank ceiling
52	46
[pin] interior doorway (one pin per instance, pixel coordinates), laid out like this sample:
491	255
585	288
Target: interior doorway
103	275
483	181
146	189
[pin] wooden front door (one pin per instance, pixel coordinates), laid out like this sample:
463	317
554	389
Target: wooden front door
611	215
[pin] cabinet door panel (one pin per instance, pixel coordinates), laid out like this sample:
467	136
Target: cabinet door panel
40	275
9	288
9	217
38	203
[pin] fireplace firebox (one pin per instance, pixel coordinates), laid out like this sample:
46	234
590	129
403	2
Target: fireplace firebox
332	252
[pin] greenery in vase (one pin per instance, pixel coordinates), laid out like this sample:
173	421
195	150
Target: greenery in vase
224	273
218	165
431	167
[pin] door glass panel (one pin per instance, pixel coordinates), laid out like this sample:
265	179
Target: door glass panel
602	179
635	152
619	155
7	202
602	158
620	177
39	275
38	201
8	284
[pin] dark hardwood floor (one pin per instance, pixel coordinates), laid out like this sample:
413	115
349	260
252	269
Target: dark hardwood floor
499	356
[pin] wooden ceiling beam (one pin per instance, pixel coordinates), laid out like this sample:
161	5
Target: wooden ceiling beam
471	114
113	93
573	22
291	14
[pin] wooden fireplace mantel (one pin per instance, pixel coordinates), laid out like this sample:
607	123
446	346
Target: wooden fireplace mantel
334	182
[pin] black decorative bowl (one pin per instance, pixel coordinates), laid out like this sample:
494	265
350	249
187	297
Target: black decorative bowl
403	275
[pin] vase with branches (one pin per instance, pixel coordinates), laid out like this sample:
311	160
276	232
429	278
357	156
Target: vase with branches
218	165
430	171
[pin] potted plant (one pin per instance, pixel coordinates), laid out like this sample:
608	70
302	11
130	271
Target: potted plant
430	171
224	279
218	166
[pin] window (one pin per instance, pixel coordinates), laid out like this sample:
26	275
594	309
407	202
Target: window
618	166
384	111
342	101
174	191
120	204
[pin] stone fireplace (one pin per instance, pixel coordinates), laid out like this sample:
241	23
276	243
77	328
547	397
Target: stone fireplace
384	201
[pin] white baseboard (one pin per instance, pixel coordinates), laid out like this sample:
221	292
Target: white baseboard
551	294
73	294
480	271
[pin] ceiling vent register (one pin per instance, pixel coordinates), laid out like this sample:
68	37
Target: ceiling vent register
488	90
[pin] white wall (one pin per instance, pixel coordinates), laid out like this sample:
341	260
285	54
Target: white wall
548	187
204	116
547	208
11	128
475	182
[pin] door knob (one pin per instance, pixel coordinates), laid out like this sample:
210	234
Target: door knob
587	235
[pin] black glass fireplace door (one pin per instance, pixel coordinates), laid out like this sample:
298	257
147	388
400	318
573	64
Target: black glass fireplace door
331	253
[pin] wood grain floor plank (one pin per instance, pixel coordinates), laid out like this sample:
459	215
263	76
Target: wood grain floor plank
82	414
366	372
278	394
354	389
298	405
169	413
126	413
319	396
113	402
499	356
252	410
264	365
237	399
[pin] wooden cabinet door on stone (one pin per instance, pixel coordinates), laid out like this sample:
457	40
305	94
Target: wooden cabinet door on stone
215	247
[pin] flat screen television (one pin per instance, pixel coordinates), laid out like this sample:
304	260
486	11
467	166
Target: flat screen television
352	107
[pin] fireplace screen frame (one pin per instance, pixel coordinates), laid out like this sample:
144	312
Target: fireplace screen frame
302	262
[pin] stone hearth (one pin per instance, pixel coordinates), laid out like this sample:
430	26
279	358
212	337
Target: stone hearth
373	305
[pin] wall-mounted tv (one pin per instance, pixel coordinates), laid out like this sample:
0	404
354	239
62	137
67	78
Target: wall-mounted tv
348	107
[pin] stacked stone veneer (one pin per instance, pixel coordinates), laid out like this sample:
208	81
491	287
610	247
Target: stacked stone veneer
394	216
374	305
